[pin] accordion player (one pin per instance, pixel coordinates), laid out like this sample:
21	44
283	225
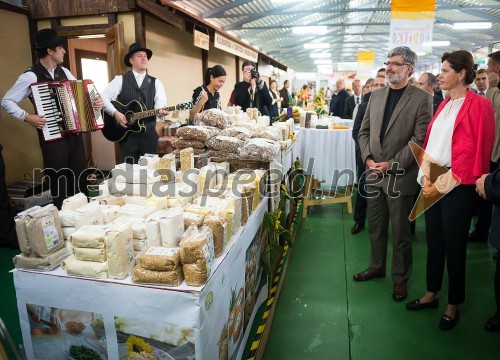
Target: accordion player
68	107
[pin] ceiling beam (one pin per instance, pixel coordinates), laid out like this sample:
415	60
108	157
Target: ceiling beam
351	10
220	10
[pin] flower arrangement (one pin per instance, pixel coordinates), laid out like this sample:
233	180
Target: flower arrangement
319	105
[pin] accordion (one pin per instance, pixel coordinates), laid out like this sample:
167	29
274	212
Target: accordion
67	106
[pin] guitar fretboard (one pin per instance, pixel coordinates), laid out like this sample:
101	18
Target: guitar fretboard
154	112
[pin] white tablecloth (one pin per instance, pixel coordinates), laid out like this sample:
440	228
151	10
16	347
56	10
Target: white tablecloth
328	155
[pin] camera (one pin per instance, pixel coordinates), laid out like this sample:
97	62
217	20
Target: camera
254	74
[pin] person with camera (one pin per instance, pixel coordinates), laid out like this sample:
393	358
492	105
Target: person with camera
252	92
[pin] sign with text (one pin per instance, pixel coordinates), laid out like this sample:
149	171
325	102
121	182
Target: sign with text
226	44
201	40
412	24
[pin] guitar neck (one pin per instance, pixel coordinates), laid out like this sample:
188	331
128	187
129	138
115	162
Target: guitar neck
149	113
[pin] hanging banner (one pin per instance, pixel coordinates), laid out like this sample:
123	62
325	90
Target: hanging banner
366	60
412	24
226	44
201	40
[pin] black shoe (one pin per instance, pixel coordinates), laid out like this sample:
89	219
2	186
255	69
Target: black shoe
447	323
417	305
476	236
399	292
357	228
493	324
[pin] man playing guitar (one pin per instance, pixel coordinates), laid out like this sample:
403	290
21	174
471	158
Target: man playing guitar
136	85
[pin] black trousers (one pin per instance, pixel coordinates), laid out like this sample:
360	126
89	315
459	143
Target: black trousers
361	203
447	230
64	164
496	285
8	235
484	210
138	144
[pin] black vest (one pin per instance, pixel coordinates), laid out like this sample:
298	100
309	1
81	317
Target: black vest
145	94
42	75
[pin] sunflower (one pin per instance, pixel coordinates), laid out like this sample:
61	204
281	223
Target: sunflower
136	345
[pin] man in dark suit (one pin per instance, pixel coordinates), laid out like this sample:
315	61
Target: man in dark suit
285	94
396	114
353	101
488	185
360	206
338	100
428	82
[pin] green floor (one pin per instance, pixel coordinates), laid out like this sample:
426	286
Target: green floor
323	314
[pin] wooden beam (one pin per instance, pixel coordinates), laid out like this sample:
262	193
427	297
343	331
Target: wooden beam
33	28
140	31
72	31
112	19
163	13
237	60
17	9
46	9
204	62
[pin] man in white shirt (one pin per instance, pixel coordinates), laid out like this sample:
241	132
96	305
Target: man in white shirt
353	101
136	84
64	158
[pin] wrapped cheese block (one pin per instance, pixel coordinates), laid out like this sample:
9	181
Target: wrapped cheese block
104	188
150	161
197	254
89	254
42	264
138	228
135	211
160	258
187	159
134	174
109	200
67	217
153	232
89	214
167	167
39	231
119	252
172	226
157	203
139	244
109	213
67	232
178	194
131	189
207	178
76	267
169	278
74	202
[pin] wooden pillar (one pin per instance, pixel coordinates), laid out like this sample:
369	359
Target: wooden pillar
237	60
204	62
140	30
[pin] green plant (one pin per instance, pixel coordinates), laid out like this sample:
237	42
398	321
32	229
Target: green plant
272	224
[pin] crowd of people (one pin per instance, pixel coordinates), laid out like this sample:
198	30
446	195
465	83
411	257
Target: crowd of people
458	171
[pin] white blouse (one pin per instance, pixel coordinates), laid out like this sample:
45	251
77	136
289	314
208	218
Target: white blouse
438	148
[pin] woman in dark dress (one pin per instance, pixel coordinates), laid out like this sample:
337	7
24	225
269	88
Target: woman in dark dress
207	96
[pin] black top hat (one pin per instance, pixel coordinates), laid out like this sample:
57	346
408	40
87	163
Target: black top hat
47	38
135	47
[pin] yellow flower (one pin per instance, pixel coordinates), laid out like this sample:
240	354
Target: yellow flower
136	345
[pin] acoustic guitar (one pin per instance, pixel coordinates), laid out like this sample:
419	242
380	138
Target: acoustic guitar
134	112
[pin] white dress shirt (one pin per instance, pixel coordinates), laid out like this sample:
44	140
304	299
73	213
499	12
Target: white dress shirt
357	101
21	90
438	148
115	88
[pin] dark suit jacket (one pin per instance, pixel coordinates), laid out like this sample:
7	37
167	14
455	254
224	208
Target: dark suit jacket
436	100
262	99
284	95
350	105
492	190
338	102
359	117
408	122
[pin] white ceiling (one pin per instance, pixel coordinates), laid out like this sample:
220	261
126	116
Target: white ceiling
353	25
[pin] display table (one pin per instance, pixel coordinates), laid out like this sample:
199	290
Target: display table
185	322
327	156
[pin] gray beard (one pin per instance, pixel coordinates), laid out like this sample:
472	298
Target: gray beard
396	78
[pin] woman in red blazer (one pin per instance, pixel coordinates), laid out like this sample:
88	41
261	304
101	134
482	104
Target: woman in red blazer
459	139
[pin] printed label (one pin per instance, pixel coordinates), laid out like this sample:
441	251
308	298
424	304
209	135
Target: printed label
49	232
162	251
130	251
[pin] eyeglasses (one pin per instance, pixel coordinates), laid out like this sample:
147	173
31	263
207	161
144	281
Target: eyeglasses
393	63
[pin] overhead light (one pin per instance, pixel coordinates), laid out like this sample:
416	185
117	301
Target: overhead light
322	62
436	43
320	55
471	26
96	36
317	46
421	53
301	30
